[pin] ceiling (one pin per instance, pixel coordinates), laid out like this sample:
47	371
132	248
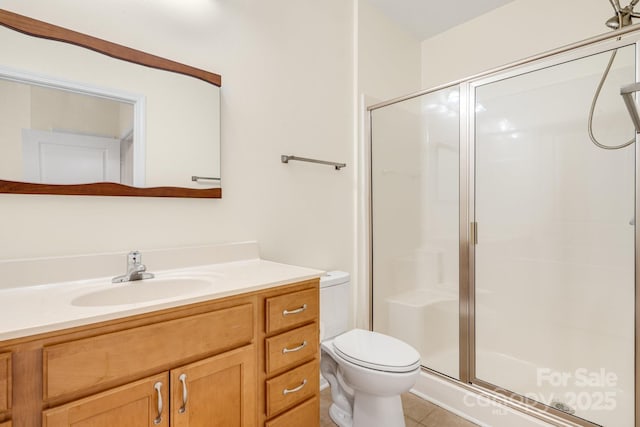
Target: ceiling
426	18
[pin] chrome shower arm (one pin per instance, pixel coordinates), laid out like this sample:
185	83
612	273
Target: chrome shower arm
627	96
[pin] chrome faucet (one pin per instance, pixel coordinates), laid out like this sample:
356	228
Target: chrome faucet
136	270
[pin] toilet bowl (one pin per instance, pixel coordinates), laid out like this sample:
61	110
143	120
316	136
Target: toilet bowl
367	371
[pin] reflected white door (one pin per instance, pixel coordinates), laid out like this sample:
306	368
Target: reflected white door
66	158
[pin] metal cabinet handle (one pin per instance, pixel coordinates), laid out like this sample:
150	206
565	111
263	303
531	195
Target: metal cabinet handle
158	387
293	390
296	311
298	348
183	380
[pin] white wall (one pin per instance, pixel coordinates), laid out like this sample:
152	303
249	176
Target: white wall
15	108
515	31
388	56
388	64
287	74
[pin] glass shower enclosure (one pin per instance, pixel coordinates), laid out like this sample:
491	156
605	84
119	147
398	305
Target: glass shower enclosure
503	239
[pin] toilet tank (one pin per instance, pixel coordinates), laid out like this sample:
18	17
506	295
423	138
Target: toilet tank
335	297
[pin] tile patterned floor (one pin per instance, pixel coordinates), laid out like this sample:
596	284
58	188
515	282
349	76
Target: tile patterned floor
417	413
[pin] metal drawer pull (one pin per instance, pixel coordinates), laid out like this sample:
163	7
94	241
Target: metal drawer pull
296	311
293	390
298	348
183	380
158	387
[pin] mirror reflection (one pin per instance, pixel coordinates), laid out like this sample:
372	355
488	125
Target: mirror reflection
70	115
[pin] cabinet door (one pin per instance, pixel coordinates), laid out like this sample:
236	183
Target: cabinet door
5	382
216	392
139	404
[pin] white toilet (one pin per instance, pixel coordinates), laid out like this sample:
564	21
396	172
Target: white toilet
367	371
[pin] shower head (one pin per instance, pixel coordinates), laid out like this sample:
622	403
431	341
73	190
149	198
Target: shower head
613	22
622	16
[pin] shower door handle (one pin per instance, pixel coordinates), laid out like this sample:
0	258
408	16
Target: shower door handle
473	233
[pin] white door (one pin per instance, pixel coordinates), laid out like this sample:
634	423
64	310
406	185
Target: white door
67	158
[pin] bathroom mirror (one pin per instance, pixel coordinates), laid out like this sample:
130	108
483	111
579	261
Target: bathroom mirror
90	117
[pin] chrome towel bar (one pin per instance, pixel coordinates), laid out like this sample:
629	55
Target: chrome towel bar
338	166
204	178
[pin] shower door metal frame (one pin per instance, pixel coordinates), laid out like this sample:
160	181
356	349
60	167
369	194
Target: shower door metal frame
467	379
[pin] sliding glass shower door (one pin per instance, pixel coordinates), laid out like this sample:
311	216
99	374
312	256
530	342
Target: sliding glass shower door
554	262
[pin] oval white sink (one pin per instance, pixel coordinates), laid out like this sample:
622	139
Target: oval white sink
142	291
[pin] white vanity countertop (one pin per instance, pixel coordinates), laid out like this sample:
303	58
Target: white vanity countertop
31	310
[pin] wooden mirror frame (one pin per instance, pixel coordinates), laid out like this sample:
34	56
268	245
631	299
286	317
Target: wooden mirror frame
33	27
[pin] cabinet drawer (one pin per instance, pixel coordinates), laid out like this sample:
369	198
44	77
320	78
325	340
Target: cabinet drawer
290	348
291	388
306	414
111	359
5	381
289	310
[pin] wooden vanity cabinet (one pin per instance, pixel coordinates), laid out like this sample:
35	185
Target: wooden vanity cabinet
207	363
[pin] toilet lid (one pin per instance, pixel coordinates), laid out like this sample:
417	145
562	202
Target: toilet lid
376	351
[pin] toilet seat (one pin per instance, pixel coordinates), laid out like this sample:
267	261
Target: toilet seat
376	351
